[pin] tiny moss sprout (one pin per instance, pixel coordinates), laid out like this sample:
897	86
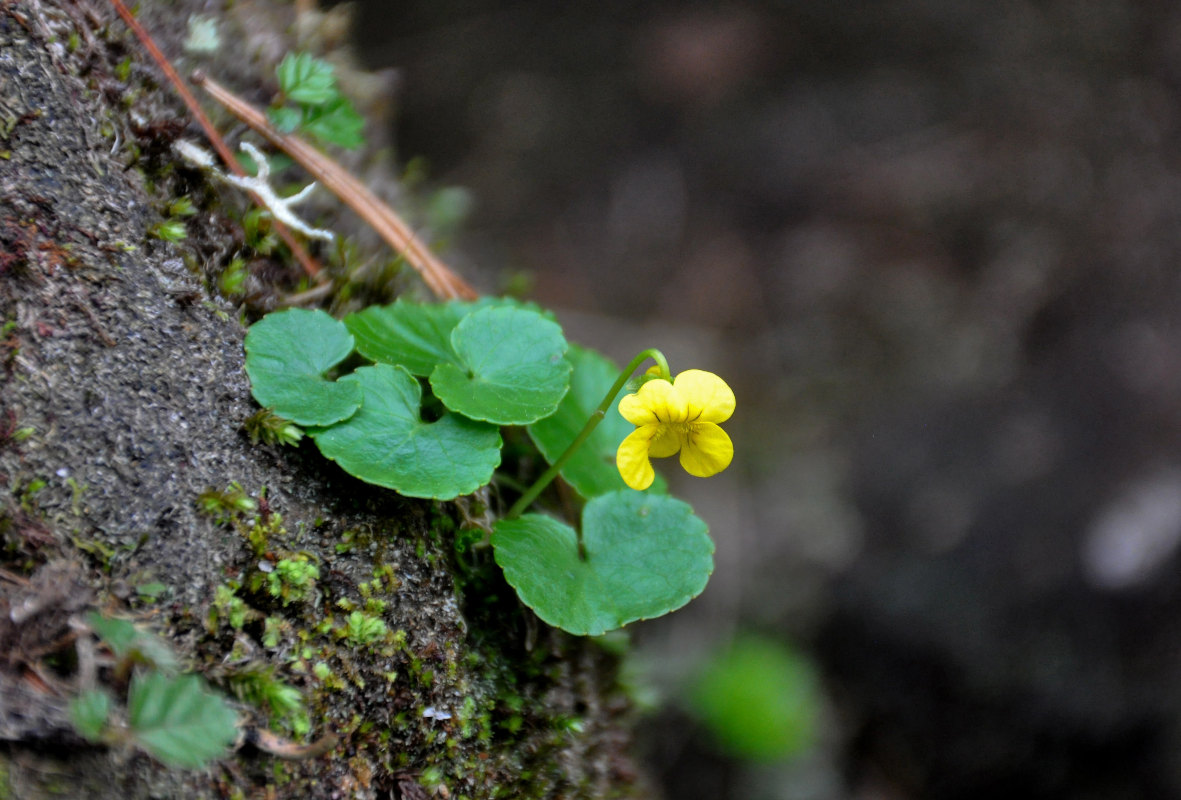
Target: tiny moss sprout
423	415
363	629
292	580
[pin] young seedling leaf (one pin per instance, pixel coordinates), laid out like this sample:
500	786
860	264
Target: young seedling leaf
647	555
89	712
412	335
178	720
306	79
119	634
285	118
510	368
591	470
129	642
336	122
387	443
287	354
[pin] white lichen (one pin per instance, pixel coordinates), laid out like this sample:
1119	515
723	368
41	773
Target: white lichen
279	207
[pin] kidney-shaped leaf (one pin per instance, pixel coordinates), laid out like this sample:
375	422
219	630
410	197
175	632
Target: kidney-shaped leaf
287	354
387	443
647	555
417	336
510	367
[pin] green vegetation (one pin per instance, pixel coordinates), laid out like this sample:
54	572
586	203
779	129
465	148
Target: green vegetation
760	699
424	418
311	104
174	718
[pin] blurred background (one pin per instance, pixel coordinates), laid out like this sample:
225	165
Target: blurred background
934	246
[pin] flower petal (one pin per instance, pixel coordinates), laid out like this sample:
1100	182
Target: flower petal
708	450
655	401
708	397
666	443
632	457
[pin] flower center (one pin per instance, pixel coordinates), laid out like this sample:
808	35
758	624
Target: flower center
681	428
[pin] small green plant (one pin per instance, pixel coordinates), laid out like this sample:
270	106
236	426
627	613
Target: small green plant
424	419
175	718
293	579
132	646
232	280
311	103
259	686
229	608
178	719
169	230
258	234
363	629
266	426
225	505
181	207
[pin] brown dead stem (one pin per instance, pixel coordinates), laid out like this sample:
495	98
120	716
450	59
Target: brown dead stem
438	277
297	250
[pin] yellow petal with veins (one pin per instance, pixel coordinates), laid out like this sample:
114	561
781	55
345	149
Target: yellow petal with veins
632	457
707	451
708	397
655	401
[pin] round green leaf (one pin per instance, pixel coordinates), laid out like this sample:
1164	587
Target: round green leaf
387	443
647	555
414	335
510	368
591	470
287	354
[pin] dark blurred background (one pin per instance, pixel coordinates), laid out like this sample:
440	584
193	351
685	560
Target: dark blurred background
934	246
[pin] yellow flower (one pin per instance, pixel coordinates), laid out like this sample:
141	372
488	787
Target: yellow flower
682	415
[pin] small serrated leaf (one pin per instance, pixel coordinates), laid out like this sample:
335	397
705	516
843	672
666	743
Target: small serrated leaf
287	354
89	712
510	368
119	634
336	122
387	442
285	119
178	720
129	642
306	79
647	555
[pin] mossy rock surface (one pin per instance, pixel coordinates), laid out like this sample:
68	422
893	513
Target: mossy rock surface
123	400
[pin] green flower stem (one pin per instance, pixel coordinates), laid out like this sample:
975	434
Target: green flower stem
539	485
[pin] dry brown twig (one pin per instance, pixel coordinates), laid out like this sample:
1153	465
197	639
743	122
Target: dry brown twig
298	251
438	277
445	284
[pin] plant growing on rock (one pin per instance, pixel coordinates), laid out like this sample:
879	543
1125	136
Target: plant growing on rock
424	416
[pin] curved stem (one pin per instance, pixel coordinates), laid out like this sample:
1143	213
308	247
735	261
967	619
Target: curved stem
546	477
